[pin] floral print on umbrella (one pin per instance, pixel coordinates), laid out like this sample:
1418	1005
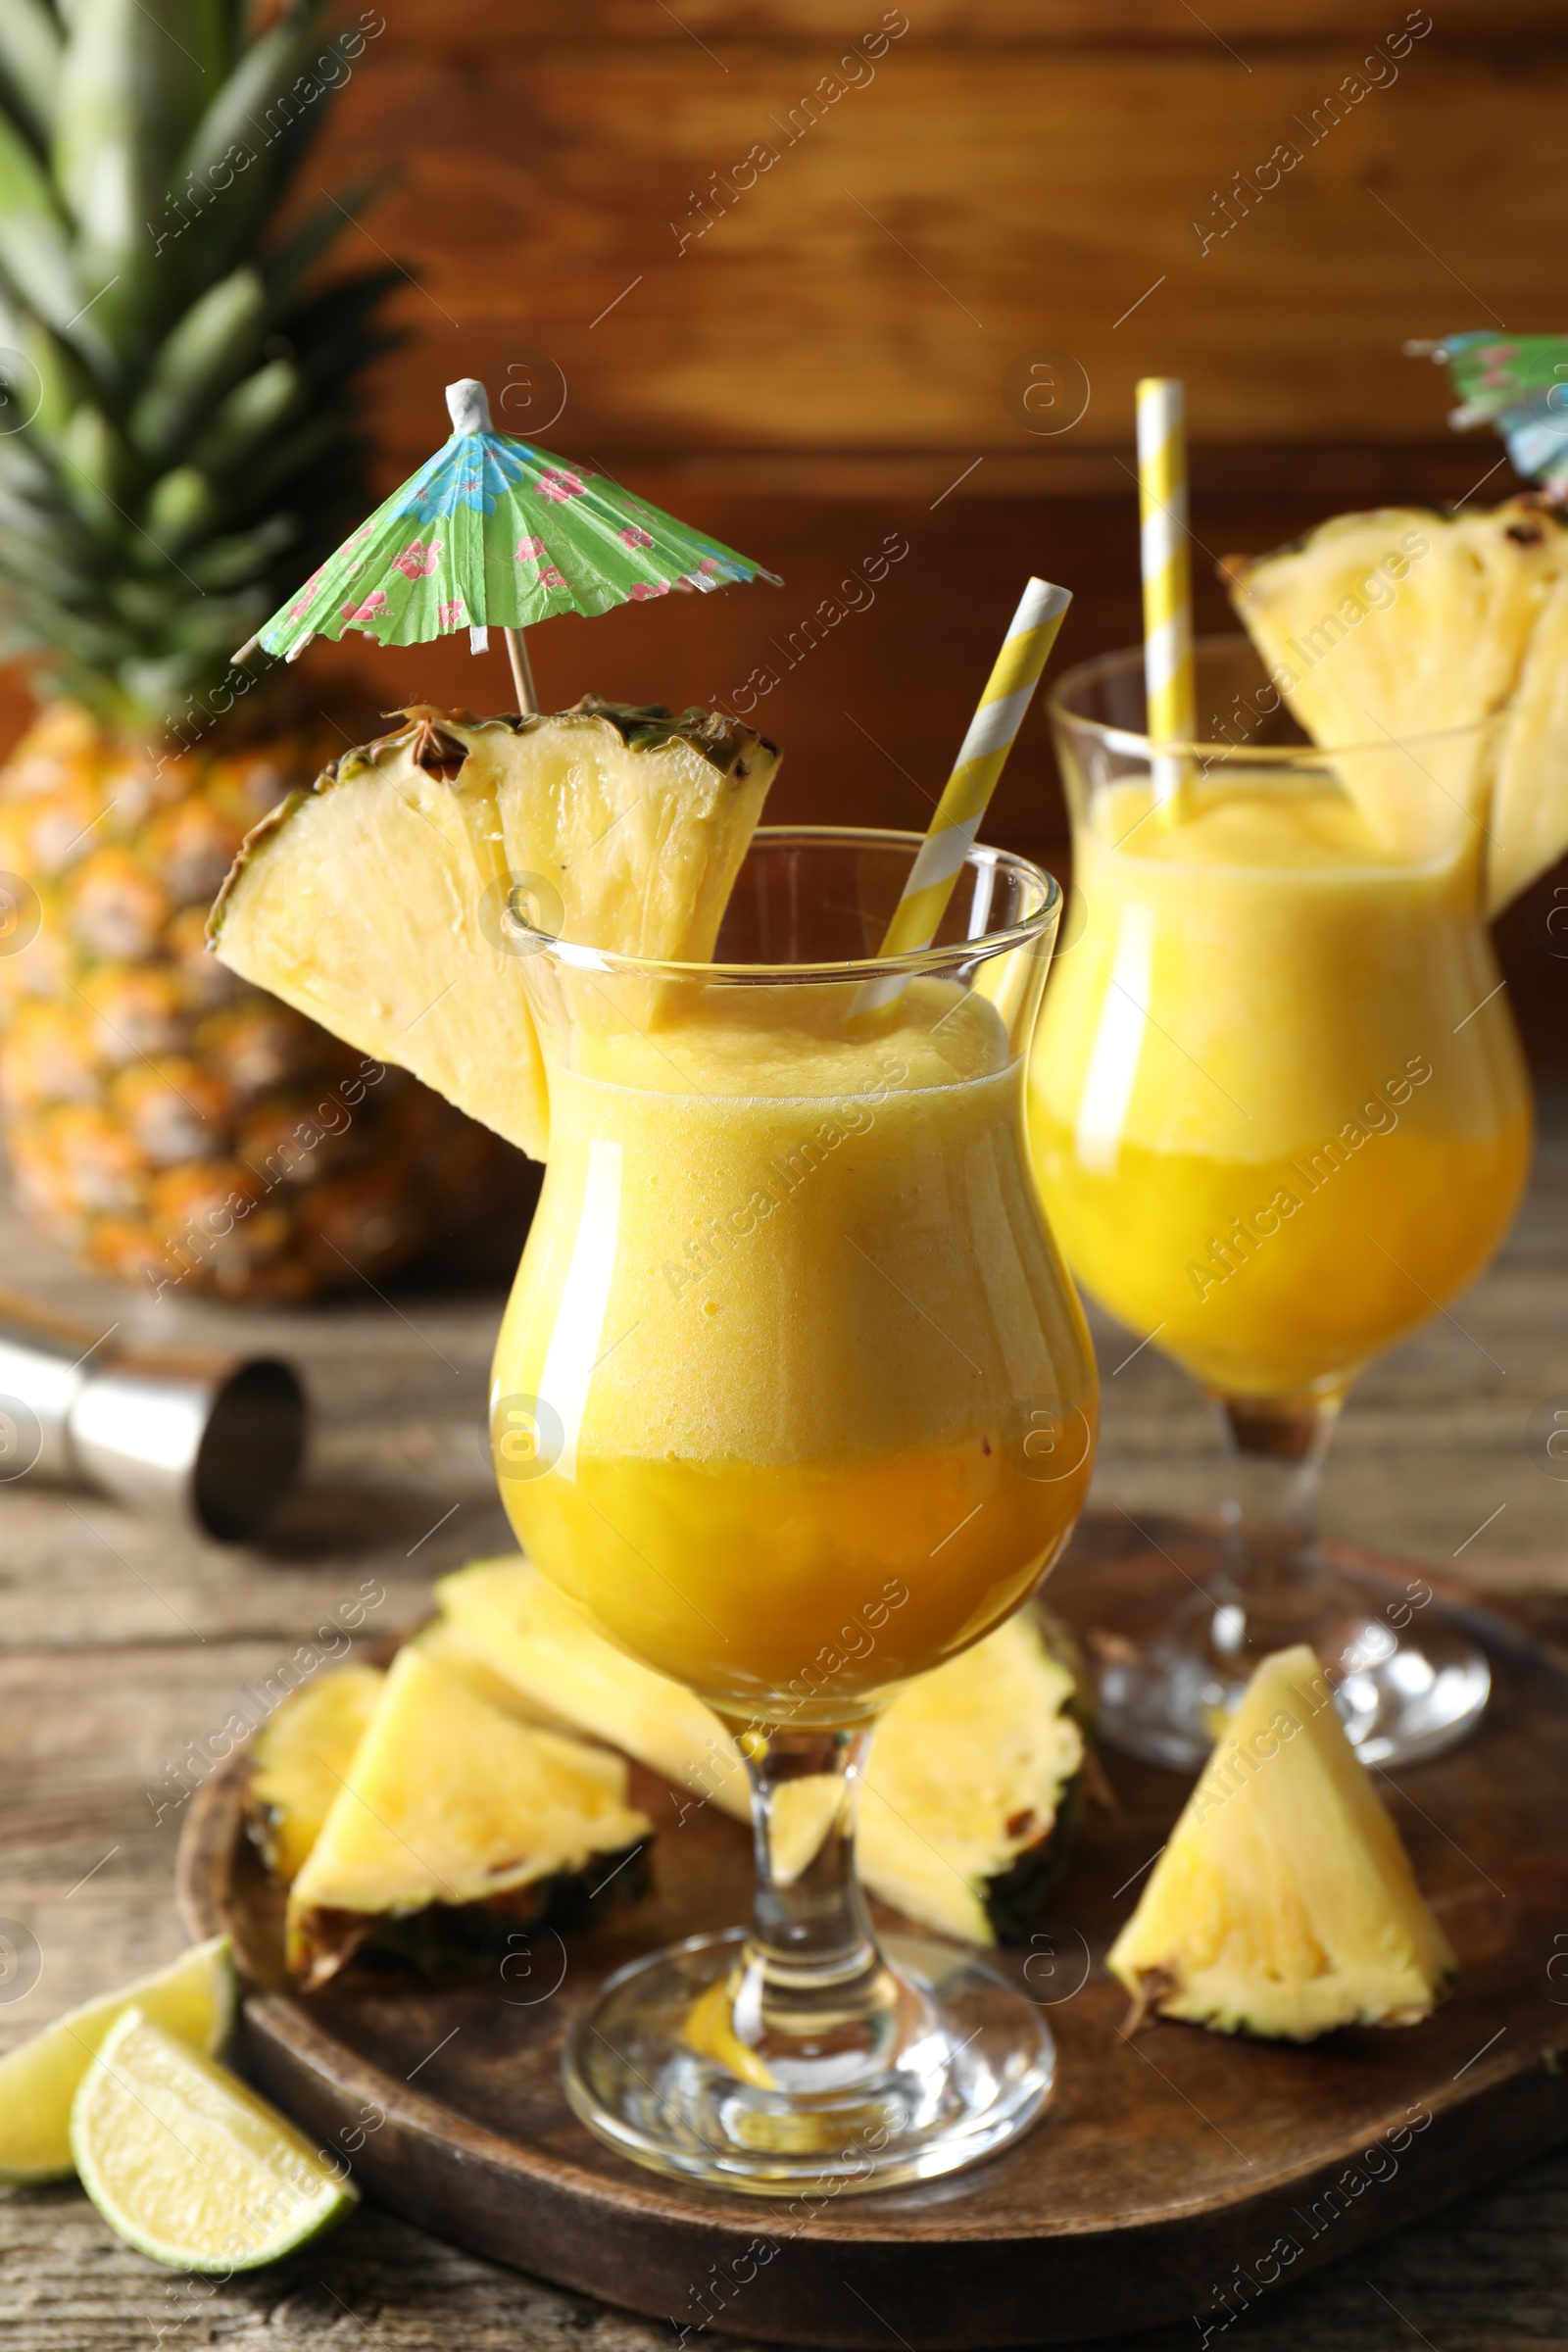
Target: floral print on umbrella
417	561
459	546
306	595
1520	387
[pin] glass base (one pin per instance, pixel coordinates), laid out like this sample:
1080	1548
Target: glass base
1408	1681
957	2065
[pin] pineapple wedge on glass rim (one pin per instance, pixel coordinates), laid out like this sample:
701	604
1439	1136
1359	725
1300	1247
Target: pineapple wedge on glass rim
378	903
1401	622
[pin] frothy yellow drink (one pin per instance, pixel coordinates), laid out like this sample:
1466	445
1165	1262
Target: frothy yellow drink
1276	1109
792	1392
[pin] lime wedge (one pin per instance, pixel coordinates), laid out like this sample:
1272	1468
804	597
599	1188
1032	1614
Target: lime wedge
194	1998
188	2164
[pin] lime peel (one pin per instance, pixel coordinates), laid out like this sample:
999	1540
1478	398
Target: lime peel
189	2164
193	1998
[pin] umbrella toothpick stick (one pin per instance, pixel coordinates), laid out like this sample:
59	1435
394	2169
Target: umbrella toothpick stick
521	673
468	407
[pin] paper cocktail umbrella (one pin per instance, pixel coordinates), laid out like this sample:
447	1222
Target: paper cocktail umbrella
494	533
1518	384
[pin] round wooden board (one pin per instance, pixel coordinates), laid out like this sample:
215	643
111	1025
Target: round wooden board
1167	2165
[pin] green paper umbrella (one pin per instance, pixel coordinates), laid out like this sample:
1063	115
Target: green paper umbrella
494	533
1518	384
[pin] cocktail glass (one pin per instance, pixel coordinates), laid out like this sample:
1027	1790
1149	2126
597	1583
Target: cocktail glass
1279	1118
795	1398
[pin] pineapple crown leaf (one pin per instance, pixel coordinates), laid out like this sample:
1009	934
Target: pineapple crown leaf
36	253
252	93
179	441
30	50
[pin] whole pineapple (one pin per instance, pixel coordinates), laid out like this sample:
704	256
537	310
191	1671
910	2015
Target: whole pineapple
177	449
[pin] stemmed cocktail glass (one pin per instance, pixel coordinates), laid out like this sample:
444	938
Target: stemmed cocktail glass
1279	1119
813	1408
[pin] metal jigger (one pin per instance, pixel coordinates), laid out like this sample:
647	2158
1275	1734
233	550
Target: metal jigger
217	1438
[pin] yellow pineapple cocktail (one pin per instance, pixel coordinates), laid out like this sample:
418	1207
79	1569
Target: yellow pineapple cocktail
1262	1118
1279	1118
794	1397
789	1312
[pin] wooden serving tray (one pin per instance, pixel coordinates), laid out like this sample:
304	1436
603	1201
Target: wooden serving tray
1178	2173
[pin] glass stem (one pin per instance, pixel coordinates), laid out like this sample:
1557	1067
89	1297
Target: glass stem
811	1987
1277	1445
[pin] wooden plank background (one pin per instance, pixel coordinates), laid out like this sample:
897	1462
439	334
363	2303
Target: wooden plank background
983	191
838	355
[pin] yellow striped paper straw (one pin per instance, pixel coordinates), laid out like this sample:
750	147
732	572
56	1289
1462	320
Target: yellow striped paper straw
982	756
1167	574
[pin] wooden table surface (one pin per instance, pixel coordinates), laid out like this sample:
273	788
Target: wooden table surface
120	1641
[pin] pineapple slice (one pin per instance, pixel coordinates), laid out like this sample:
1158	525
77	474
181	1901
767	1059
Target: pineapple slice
375	902
458	1818
971	1795
300	1761
1284	1903
504	1613
1381	627
970	1799
1529	822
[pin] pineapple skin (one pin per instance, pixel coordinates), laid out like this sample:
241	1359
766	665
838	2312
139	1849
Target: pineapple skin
453	1809
970	1804
182	444
165	1122
1283	1904
300	1759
